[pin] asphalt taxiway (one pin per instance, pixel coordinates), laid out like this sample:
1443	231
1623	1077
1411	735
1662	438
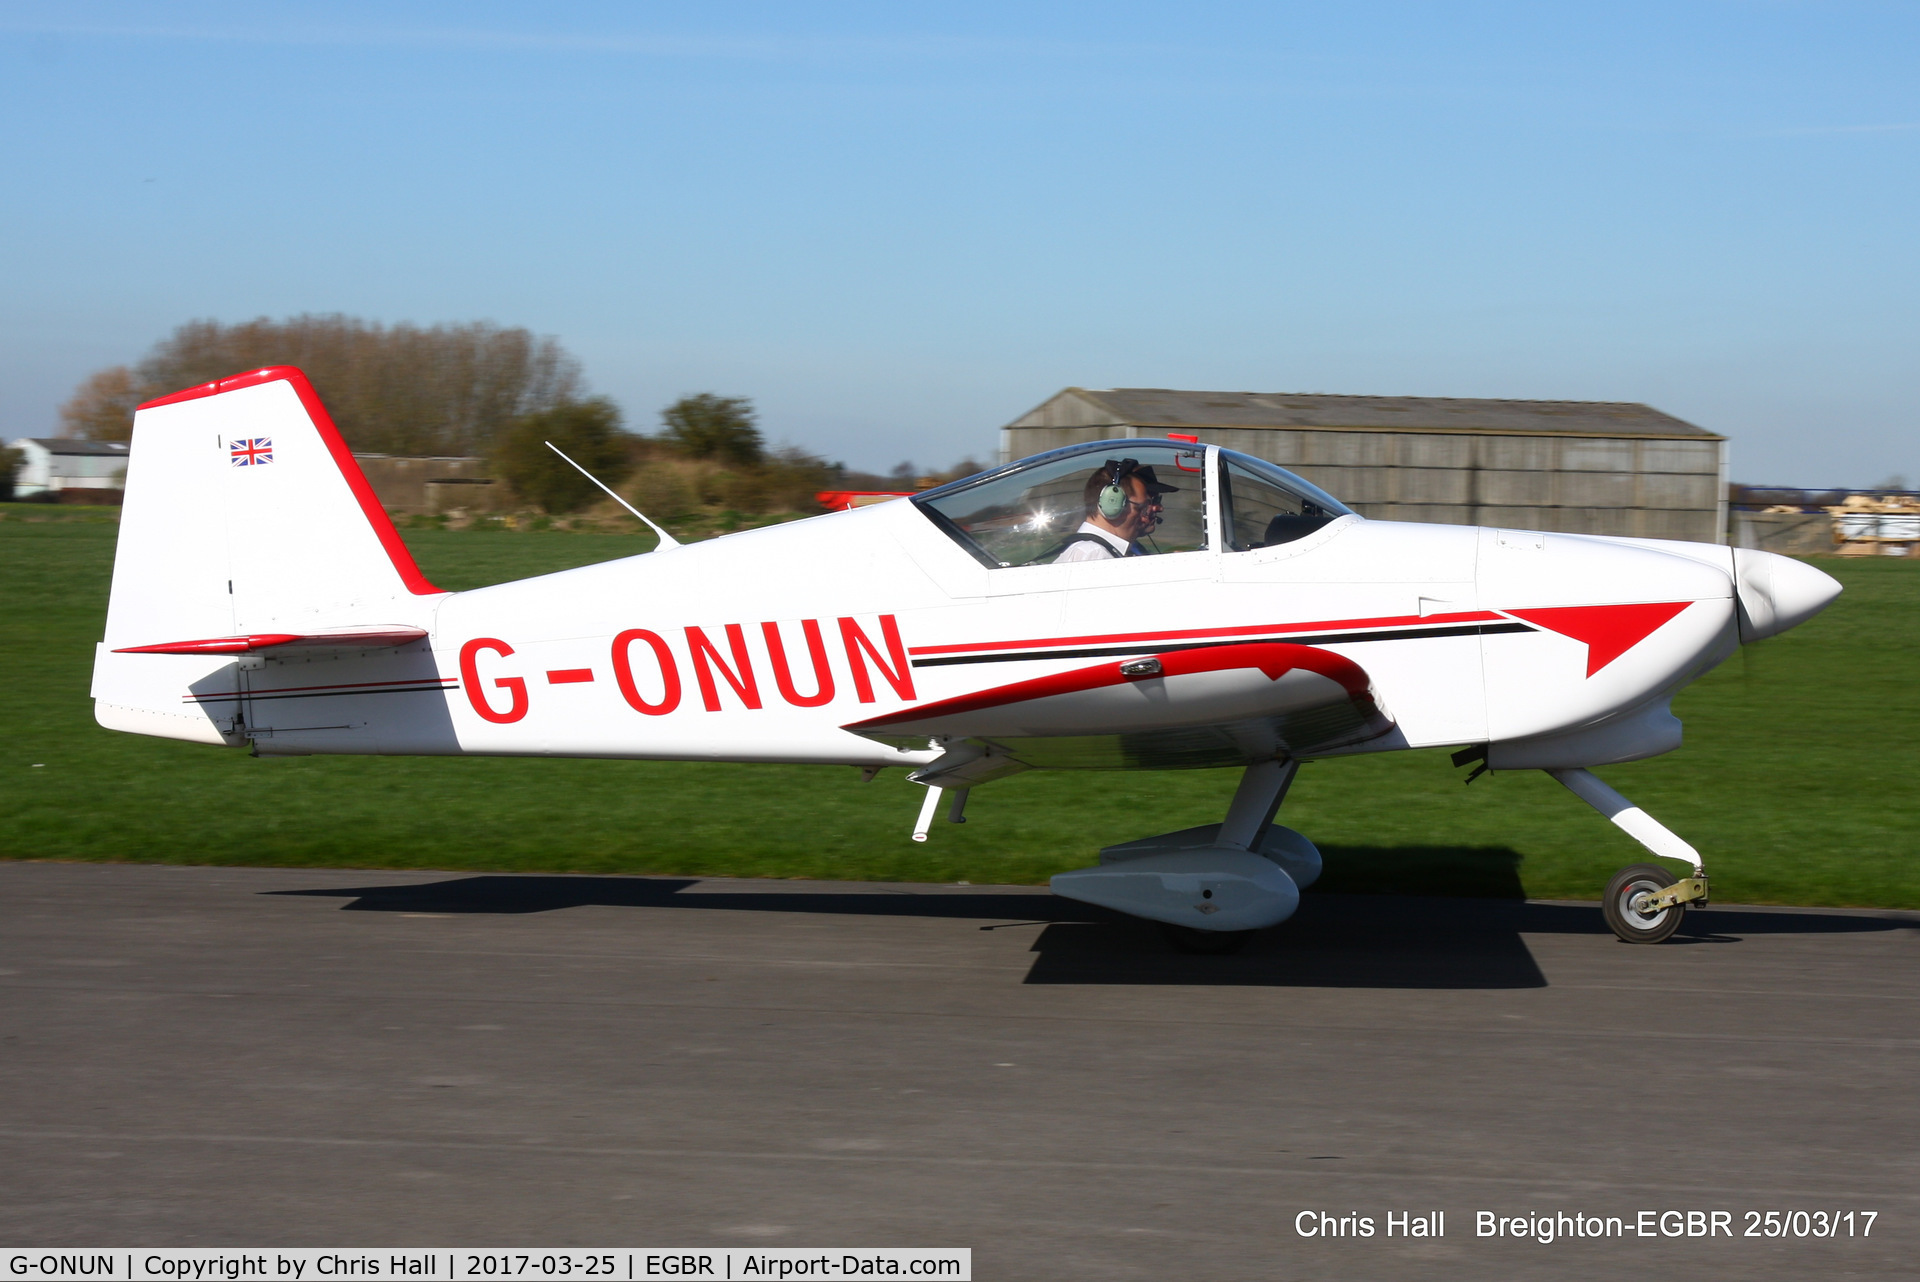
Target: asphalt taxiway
219	1056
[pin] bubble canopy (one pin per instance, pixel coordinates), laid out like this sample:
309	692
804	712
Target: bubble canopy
1024	513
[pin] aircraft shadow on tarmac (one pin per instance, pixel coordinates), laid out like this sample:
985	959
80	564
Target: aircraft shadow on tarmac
1334	941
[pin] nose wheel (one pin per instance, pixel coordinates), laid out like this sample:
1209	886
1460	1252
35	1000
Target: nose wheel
1643	903
1627	909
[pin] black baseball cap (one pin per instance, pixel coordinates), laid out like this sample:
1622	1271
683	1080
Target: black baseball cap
1123	467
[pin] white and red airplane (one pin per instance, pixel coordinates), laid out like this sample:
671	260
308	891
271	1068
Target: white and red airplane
262	597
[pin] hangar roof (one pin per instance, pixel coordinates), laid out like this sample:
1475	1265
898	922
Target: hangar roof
71	445
1168	408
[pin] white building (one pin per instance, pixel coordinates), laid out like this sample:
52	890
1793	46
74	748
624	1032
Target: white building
57	463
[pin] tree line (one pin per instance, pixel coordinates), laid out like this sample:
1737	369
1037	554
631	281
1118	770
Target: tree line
480	389
444	390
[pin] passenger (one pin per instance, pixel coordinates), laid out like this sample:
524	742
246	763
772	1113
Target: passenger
1122	503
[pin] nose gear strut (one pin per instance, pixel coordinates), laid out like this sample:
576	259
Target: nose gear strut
1643	903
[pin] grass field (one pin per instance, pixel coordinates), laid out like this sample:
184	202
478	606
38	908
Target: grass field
1798	779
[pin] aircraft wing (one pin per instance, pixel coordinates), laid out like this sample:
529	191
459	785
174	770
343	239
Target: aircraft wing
1211	706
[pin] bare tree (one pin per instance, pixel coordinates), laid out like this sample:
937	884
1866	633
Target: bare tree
101	408
404	389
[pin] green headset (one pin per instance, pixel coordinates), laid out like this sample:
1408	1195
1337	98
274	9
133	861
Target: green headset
1113	499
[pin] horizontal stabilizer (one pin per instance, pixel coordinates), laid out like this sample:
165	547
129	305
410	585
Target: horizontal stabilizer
379	638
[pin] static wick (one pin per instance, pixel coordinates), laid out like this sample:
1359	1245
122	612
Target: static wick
666	540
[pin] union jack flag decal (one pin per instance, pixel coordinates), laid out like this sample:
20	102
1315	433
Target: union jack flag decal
253	452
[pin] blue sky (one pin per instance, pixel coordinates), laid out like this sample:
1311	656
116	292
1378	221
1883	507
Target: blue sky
898	226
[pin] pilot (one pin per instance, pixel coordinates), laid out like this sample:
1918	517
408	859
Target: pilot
1122	503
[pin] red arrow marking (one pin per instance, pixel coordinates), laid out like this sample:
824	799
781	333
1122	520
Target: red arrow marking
1609	631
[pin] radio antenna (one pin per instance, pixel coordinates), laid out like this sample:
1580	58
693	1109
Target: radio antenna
666	540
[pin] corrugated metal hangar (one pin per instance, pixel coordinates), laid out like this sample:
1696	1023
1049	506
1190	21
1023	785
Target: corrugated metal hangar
1584	467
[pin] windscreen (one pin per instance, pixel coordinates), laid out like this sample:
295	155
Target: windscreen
1029	513
1265	505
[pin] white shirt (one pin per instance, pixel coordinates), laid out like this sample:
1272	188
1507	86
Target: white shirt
1084	551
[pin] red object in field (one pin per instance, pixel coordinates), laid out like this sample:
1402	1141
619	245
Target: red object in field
844	500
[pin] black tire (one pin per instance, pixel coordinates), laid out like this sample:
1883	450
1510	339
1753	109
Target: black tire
1633	927
1207	943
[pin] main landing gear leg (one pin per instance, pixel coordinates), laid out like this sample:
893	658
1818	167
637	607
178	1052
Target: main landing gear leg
1643	903
1255	802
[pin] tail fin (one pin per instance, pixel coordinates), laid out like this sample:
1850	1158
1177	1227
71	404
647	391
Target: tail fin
245	514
